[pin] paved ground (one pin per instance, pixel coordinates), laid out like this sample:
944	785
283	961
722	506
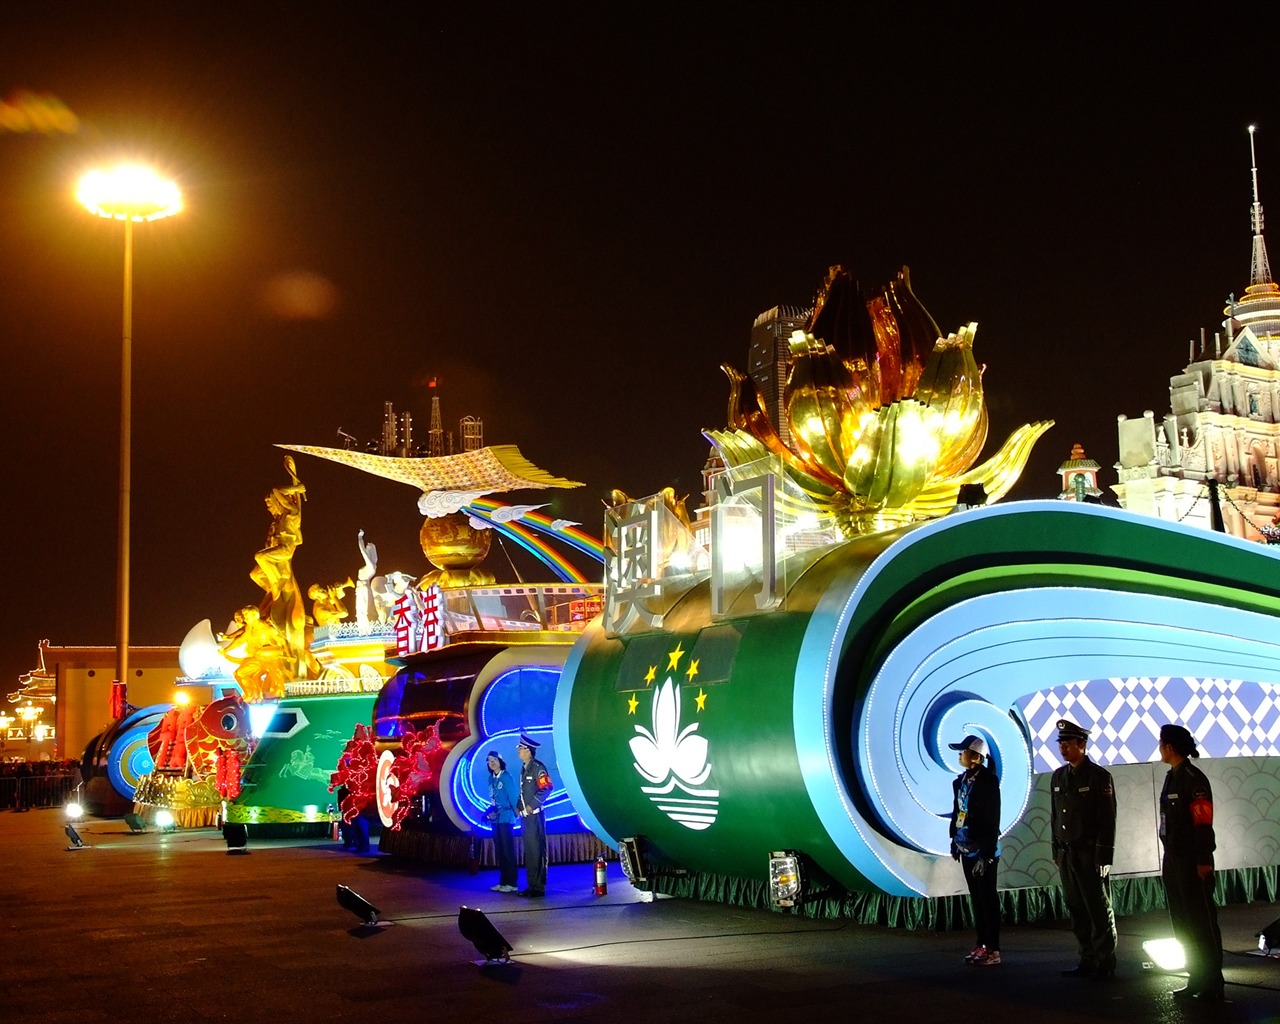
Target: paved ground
171	928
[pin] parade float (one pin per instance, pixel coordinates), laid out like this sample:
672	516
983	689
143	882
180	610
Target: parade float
776	725
475	663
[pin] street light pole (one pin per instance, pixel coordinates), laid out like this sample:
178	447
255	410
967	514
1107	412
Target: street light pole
126	461
128	193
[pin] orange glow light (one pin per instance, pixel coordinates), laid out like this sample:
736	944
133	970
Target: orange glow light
129	192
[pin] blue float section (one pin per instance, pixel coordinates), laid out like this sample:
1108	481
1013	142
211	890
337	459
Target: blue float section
130	758
517	702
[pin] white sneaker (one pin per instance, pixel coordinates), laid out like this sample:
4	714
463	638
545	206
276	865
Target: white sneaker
499	888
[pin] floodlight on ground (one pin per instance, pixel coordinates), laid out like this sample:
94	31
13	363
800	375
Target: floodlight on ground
480	932
351	900
1269	939
76	842
135	822
164	820
236	836
630	856
1166	954
74	811
785	879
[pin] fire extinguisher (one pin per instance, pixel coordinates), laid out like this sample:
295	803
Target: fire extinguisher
602	878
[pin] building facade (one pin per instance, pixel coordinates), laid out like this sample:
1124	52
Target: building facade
1216	453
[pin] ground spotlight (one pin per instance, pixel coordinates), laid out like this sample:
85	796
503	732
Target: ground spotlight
74	811
135	823
1269	939
1166	954
237	837
76	842
785	878
630	856
489	943
164	820
358	905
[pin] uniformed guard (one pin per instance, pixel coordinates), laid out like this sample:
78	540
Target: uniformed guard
1186	830
1084	840
535	787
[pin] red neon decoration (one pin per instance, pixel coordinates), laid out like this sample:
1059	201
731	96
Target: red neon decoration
357	768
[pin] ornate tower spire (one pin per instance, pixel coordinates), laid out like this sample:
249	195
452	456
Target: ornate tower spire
1261	270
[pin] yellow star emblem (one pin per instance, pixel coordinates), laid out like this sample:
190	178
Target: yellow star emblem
692	670
701	699
673	658
650	675
632	704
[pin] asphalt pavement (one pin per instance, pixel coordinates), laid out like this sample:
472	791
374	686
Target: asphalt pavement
171	927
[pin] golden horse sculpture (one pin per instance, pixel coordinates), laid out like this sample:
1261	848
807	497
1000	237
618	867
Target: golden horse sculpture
888	435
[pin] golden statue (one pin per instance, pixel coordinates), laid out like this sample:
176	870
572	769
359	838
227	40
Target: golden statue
887	417
327	608
282	606
258	649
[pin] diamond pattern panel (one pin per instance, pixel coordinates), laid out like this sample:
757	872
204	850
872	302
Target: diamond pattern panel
1228	718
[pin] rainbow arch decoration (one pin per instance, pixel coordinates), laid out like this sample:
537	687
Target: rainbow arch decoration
821	725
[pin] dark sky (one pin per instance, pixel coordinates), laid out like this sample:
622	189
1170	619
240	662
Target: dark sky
570	214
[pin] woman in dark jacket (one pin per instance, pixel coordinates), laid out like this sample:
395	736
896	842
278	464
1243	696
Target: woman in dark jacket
975	843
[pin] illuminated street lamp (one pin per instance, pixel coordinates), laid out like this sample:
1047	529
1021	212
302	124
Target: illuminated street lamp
5	722
129	193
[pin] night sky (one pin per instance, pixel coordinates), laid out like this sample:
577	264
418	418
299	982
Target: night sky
570	215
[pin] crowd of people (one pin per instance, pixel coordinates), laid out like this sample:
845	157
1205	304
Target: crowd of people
28	784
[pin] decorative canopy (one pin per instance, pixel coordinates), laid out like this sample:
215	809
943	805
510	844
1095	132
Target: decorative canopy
485	470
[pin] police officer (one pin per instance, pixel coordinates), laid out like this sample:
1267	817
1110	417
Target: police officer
1186	830
535	787
1084	840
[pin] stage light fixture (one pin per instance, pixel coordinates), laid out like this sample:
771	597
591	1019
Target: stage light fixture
76	842
351	900
236	836
164	820
630	856
785	879
74	811
135	823
970	496
1269	939
1166	954
480	932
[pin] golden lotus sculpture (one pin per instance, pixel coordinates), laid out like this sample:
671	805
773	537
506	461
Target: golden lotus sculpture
887	434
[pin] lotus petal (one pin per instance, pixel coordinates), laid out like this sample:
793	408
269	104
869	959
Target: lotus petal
951	386
819	406
690	762
650	761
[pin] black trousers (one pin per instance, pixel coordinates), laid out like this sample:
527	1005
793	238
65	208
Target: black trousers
1194	917
1088	898
504	849
986	902
535	852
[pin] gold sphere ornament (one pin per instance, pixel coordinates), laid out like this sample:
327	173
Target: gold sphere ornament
455	548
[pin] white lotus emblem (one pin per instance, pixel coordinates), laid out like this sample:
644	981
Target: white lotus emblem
672	757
